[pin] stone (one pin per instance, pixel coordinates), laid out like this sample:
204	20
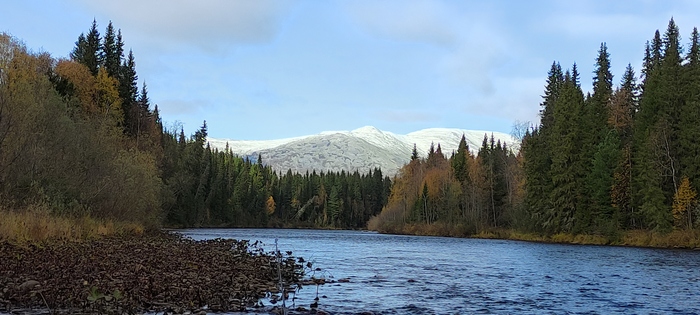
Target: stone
28	285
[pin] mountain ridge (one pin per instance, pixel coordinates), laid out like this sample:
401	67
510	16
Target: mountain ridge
360	149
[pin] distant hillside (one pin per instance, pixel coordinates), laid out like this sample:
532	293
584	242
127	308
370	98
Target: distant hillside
360	149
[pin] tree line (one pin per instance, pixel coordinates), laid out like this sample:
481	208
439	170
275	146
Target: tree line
78	137
618	158
208	187
460	195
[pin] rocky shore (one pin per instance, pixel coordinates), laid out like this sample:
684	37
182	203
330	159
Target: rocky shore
135	274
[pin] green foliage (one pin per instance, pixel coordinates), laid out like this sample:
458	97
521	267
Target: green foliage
79	136
55	152
600	180
567	168
207	187
88	50
113	49
630	148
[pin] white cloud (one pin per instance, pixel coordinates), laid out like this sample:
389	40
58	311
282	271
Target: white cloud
207	24
470	40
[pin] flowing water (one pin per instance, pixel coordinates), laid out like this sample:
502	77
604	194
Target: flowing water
396	274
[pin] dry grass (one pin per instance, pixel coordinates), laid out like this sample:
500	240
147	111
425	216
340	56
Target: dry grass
639	238
674	239
36	224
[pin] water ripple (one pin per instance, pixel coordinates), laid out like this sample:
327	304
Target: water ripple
396	274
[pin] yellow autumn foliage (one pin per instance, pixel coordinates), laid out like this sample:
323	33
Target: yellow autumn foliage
683	201
270	205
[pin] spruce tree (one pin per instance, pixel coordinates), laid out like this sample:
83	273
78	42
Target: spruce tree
657	128
689	123
601	179
459	161
88	49
602	91
414	153
537	152
567	170
555	79
594	128
112	51
629	85
128	92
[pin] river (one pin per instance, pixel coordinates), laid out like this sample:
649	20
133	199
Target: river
398	274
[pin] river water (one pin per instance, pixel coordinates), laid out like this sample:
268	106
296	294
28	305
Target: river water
397	274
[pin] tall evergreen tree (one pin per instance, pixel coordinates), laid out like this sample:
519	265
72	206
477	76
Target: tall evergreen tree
602	91
601	180
689	123
113	51
595	129
629	85
567	170
555	80
537	151
128	92
414	153
88	49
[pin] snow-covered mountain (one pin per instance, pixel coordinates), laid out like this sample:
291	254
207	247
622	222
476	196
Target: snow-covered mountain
360	149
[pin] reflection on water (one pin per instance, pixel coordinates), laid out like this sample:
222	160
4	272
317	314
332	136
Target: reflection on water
396	274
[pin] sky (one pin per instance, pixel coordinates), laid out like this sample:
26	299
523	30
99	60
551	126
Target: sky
269	69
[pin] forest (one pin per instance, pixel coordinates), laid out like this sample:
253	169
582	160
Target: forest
80	140
619	158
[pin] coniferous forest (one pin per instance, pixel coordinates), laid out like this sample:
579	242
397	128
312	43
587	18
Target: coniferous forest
79	138
620	158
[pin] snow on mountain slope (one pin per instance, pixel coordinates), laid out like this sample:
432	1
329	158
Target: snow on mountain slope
360	149
449	139
248	147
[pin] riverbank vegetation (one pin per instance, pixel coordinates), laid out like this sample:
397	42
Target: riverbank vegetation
83	152
618	165
66	148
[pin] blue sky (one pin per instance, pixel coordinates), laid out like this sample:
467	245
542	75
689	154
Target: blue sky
264	69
